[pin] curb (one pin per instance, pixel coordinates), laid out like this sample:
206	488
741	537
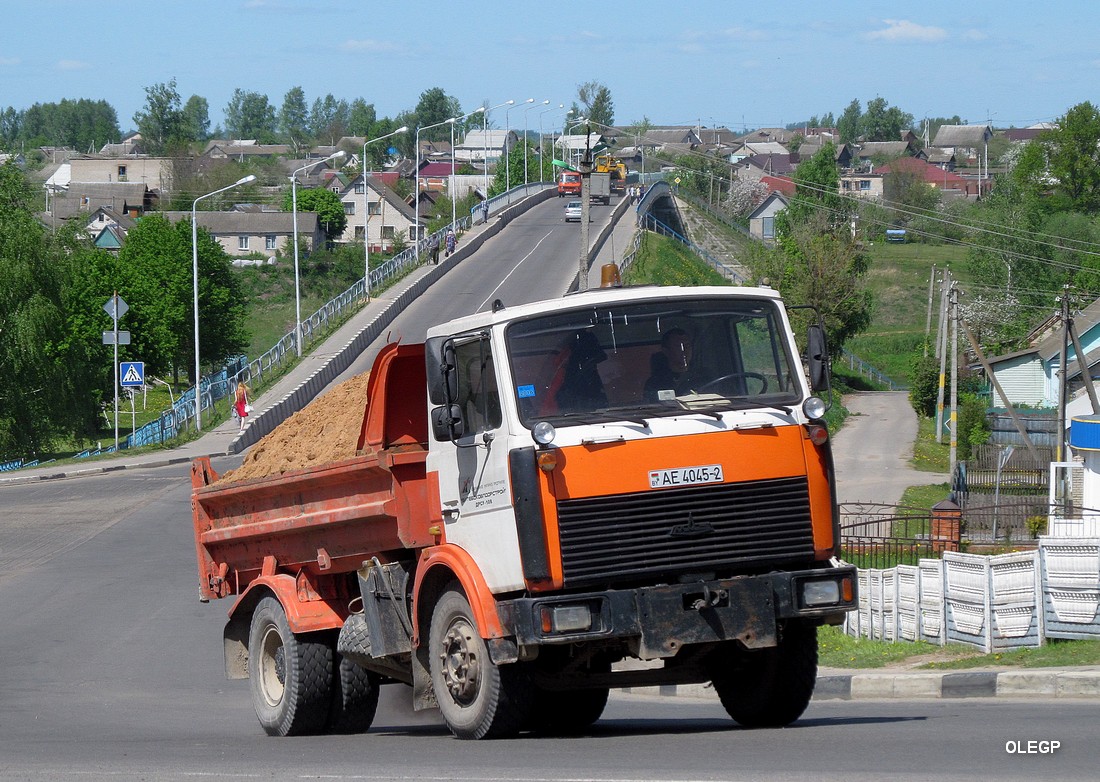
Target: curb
919	685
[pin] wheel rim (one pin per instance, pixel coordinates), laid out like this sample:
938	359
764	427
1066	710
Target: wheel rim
461	662
272	667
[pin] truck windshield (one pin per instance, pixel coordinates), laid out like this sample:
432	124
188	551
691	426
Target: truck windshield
651	358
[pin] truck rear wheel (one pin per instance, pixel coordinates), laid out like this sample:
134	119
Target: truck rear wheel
771	687
290	675
478	698
354	698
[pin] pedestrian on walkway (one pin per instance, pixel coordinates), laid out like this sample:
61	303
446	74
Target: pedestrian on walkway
433	248
452	241
241	405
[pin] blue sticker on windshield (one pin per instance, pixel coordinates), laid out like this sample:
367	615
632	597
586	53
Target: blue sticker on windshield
525	392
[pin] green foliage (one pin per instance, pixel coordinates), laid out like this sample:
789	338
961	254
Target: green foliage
294	118
250	115
161	122
924	382
196	119
156	279
665	261
328	118
327	205
44	376
973	425
597	103
436	106
82	124
1074	156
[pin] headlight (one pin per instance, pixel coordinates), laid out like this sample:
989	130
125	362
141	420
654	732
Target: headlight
820	593
813	407
544	433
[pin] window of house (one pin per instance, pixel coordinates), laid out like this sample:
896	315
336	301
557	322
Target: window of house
388	232
359	232
349	207
768	227
270	242
845	185
242	242
865	184
359	188
374	207
122	173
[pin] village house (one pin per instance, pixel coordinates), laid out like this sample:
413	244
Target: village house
375	211
258	233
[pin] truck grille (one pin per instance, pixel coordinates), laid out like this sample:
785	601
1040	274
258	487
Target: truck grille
668	532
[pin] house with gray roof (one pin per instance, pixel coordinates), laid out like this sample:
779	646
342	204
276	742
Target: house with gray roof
485	146
245	233
967	141
375	211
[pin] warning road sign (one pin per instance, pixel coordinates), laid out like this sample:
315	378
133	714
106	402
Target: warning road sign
132	373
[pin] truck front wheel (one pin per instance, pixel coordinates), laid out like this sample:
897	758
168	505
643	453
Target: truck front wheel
290	675
769	688
478	698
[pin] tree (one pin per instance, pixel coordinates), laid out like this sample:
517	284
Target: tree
47	383
250	116
436	106
196	119
161	122
362	118
598	106
328	119
327	205
882	122
816	260
294	118
156	267
1073	154
848	126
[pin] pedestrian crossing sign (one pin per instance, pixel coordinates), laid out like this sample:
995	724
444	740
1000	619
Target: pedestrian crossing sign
132	373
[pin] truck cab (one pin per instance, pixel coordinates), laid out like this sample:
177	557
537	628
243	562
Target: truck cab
569	183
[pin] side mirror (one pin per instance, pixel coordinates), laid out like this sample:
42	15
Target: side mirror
817	357
447	423
440	368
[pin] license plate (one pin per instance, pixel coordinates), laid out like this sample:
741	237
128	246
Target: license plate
685	476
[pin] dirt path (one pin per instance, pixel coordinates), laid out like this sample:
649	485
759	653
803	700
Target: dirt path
873	448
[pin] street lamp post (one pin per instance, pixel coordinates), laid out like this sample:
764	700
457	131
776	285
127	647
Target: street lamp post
416	187
507	156
366	210
195	274
294	207
565	132
559	107
485	141
451	122
525	137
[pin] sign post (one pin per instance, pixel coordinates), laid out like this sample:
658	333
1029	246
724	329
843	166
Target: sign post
116	308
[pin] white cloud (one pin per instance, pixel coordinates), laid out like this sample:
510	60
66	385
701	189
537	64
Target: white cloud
904	31
73	65
9	61
743	34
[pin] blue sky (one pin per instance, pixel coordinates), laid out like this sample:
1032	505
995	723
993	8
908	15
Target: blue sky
714	63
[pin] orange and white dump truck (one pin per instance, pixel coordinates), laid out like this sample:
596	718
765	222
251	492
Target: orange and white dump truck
543	496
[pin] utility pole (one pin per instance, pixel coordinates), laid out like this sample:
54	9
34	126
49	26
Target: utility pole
585	167
941	352
1063	373
954	346
928	317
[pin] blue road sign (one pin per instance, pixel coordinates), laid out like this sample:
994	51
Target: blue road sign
132	373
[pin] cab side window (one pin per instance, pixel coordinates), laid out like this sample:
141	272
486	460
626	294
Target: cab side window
478	394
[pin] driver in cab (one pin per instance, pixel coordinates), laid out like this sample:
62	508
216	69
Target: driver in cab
670	367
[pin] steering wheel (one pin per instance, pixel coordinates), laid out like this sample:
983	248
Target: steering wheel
735	376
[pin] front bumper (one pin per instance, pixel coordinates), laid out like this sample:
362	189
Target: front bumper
660	620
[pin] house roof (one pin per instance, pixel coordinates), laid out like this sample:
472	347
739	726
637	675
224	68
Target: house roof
250	222
930	174
779	184
438	169
772	198
387	193
779	135
479	139
772	164
1022	134
764	148
962	135
888	149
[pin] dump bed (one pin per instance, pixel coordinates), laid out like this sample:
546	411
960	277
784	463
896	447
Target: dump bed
329	518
